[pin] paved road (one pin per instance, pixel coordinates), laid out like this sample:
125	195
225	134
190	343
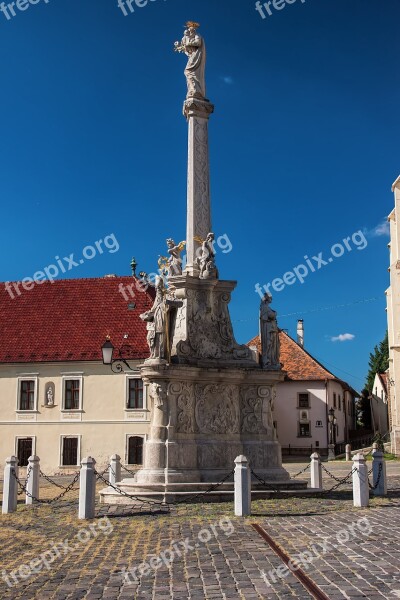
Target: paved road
202	551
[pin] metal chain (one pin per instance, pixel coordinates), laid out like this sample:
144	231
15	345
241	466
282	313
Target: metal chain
373	487
331	475
47	478
100	477
162	503
24	489
268	485
128	470
300	472
341	482
28	473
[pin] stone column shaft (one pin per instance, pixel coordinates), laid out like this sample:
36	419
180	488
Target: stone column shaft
197	113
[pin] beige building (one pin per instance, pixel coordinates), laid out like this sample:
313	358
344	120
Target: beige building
58	400
393	315
304	399
379	404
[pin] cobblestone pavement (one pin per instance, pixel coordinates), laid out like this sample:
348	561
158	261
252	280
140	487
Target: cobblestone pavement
213	554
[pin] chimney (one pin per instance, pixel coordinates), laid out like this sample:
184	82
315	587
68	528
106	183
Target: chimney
300	332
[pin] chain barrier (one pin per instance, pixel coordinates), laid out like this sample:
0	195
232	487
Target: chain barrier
331	475
28	473
47	478
301	472
23	488
128	470
161	503
374	487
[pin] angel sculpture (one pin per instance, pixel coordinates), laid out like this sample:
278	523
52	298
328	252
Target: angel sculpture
172	264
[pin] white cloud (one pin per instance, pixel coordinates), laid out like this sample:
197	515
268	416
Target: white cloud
343	337
228	80
382	229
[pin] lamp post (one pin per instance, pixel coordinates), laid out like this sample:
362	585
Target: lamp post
331	424
116	364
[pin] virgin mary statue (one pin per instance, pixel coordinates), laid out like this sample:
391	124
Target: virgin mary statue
193	46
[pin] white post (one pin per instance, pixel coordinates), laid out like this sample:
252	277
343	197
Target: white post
360	481
242	487
115	469
32	484
87	489
348	452
10	486
316	471
379	473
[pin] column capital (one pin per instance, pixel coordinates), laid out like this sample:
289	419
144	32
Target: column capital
195	107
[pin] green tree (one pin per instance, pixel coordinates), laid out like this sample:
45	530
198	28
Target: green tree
378	362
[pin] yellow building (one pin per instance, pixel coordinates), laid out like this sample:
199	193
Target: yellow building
57	399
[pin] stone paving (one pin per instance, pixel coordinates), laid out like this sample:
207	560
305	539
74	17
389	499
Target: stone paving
203	551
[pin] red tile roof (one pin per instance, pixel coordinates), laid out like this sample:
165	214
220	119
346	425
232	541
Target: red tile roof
68	320
297	362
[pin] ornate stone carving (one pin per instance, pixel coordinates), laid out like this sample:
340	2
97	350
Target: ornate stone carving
252	411
217	409
185	406
209	333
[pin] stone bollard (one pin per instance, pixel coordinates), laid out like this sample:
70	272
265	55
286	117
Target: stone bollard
87	489
32	485
379	473
375	446
316	472
360	481
115	469
348	452
242	487
10	486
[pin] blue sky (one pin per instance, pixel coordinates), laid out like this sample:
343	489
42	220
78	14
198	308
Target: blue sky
304	149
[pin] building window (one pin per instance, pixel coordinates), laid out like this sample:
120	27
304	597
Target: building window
24	450
69	451
27	394
135	450
304	430
304	400
72	393
334	401
340	402
135	393
318	424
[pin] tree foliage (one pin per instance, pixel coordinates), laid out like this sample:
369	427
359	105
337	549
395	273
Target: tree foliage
378	362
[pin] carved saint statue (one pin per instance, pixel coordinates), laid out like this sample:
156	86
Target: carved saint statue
193	46
269	334
50	396
174	261
158	393
206	258
156	323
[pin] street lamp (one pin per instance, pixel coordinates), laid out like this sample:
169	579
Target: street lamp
107	350
332	423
